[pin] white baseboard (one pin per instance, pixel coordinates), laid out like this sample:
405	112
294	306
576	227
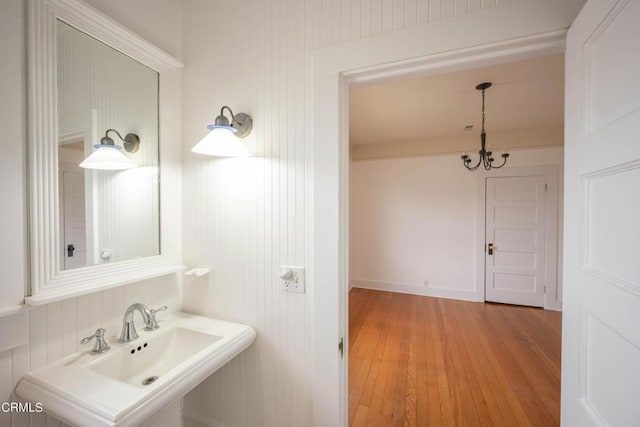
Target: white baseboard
210	422
556	307
427	291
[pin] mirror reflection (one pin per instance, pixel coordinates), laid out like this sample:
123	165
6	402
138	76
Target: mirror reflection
106	214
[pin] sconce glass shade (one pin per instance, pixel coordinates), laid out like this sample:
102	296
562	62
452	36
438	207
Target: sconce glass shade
107	157
221	141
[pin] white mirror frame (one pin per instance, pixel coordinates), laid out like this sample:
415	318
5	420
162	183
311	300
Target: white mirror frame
48	282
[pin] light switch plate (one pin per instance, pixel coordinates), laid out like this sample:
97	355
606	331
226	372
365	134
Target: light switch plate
295	281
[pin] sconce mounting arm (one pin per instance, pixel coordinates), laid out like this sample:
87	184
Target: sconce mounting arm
241	122
131	142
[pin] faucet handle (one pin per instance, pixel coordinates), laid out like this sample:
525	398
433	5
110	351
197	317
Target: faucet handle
101	345
163	308
153	324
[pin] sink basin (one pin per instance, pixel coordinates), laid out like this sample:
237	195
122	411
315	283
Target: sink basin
133	382
153	357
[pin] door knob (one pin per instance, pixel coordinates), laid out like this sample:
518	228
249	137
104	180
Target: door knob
491	248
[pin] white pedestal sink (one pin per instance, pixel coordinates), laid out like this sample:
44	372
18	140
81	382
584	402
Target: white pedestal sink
133	382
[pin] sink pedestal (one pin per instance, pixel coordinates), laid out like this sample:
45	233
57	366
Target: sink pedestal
170	417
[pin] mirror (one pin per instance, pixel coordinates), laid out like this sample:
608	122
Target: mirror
88	74
105	215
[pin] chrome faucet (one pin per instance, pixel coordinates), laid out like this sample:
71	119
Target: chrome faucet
129	332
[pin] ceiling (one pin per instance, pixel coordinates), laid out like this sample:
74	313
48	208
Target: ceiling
427	115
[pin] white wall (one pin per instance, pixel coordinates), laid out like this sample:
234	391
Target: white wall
415	219
54	330
246	217
412	220
242	218
157	21
12	161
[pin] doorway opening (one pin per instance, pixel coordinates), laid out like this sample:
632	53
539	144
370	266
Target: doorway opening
420	225
334	72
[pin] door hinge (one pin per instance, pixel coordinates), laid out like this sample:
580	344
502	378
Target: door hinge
546	186
341	347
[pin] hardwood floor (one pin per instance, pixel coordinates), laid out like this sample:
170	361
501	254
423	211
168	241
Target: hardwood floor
420	361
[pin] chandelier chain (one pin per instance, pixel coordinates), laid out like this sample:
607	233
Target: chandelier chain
482	110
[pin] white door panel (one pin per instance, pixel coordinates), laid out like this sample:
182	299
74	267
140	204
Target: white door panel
516	226
601	333
515	262
523	190
514	281
516	215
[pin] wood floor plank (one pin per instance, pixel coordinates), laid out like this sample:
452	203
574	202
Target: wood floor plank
488	371
425	383
361	415
480	375
420	361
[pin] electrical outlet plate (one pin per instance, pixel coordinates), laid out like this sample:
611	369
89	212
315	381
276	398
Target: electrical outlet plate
294	282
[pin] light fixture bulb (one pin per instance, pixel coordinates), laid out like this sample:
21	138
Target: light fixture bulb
107	157
222	142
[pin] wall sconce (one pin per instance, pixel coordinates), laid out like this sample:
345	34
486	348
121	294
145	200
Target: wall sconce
223	140
109	156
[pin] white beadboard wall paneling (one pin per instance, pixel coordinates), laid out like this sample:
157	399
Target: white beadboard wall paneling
5	386
55	331
243	218
342	21
246	217
19	366
13	331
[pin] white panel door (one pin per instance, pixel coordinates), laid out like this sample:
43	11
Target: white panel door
74	223
601	313
515	240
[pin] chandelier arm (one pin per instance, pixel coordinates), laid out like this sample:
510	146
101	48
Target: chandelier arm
504	162
473	168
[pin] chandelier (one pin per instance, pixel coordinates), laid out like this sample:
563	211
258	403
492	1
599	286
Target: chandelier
486	159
